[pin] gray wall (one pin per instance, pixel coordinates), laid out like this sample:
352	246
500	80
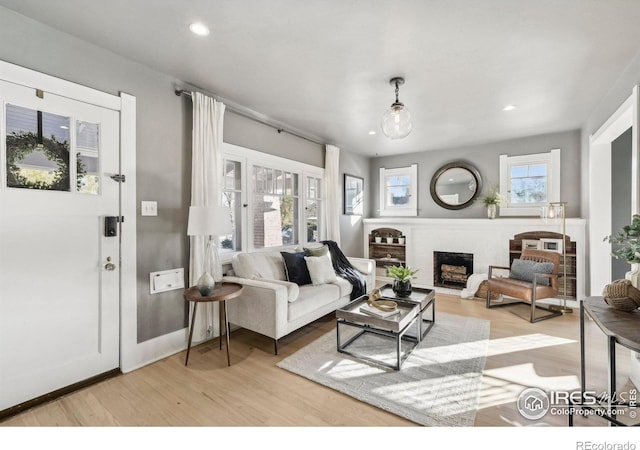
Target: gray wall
163	150
351	229
486	158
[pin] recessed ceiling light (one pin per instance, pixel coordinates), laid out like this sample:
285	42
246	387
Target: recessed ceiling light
372	132
64	127
509	108
199	29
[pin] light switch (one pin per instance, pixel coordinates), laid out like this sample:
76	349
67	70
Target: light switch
149	208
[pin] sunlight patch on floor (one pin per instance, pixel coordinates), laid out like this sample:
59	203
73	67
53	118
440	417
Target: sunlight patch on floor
503	385
524	342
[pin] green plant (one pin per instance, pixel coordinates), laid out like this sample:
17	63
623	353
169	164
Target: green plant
401	273
493	197
629	239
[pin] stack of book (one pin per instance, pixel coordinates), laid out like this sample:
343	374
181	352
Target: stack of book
373	311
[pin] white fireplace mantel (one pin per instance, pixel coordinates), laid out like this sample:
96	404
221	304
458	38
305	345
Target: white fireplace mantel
487	239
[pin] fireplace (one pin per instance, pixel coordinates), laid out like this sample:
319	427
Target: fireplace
451	270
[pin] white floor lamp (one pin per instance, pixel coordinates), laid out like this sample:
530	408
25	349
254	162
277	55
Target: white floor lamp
211	221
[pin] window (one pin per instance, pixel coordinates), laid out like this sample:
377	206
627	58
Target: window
528	182
275	207
275	202
398	191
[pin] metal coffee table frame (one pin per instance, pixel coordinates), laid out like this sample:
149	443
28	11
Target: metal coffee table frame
424	297
393	327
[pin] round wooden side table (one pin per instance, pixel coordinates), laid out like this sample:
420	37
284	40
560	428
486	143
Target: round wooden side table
221	293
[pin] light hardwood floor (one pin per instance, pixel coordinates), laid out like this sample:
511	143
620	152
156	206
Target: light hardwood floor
254	392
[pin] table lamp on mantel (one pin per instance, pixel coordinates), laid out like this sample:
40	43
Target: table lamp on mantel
209	221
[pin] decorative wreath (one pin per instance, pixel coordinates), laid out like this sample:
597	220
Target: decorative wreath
20	145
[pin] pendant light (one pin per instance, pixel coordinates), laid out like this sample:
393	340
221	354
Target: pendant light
396	121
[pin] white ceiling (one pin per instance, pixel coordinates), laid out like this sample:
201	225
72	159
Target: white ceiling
323	66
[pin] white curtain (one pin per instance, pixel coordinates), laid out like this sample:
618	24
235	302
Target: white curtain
206	178
332	186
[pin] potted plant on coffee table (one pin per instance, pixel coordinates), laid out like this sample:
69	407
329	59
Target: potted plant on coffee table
402	276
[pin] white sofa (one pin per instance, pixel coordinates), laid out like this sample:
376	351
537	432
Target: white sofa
274	307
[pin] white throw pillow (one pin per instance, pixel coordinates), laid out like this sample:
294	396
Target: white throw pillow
320	269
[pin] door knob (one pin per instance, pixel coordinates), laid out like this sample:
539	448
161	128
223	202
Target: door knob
109	265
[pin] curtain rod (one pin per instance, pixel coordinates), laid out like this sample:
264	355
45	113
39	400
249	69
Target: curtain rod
180	92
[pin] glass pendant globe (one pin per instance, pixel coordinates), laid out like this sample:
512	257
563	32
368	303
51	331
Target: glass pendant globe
396	122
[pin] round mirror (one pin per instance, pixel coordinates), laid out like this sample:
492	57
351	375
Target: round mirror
456	185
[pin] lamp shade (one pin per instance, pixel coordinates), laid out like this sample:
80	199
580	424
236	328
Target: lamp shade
396	122
209	220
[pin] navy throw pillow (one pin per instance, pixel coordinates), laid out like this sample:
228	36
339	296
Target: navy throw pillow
296	268
523	269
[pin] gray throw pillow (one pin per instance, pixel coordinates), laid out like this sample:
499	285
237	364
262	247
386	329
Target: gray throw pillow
522	269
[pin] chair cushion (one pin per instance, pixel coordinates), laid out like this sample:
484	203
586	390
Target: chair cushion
519	289
320	270
296	268
525	270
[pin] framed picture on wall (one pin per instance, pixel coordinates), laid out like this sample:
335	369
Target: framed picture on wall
353	195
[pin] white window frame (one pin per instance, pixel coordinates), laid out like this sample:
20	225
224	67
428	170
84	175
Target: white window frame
551	159
249	158
411	209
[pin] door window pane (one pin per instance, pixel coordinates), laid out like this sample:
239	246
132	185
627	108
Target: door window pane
37	149
88	150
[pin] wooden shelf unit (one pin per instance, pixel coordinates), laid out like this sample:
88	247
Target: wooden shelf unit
386	254
515	249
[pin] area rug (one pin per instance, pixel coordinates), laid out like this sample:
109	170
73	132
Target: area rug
438	384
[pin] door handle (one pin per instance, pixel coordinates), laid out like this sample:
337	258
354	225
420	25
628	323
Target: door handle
109	265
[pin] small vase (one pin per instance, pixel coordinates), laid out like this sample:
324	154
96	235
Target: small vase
491	211
390	240
378	239
402	288
634	275
206	284
401	240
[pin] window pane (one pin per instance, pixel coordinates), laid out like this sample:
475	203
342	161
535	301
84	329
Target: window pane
529	190
397	196
258	179
519	171
288	184
312	220
88	148
275	221
37	149
232	177
279	182
294	190
398	181
539	170
232	242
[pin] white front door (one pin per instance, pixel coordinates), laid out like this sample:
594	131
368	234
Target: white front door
59	295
